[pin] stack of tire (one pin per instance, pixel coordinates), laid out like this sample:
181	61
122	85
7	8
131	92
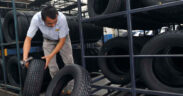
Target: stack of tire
23	21
165	73
117	70
3	11
157	73
92	33
13	72
35	75
146	20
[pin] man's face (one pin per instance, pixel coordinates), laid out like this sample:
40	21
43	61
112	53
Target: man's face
51	22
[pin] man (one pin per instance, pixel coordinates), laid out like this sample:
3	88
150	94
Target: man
54	27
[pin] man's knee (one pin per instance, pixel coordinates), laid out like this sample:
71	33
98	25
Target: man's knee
53	70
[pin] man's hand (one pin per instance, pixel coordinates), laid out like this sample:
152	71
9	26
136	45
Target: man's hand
26	61
48	58
27	64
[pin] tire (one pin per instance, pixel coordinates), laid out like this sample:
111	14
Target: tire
140	21
8	26
12	71
117	70
139	42
91	32
91	63
1	71
171	65
167	15
2	21
103	7
34	78
78	74
23	19
47	76
155	72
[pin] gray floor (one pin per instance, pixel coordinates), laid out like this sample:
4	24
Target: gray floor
101	92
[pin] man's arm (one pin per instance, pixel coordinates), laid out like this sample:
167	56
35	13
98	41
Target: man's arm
30	34
26	48
55	51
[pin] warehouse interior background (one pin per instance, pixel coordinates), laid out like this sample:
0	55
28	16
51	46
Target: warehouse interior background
108	47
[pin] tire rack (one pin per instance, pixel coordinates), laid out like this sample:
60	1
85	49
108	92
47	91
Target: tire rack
128	12
133	90
12	51
17	50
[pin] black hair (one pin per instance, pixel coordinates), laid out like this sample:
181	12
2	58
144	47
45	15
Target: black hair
49	11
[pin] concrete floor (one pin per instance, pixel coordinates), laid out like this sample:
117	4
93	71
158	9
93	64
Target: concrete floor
101	92
7	93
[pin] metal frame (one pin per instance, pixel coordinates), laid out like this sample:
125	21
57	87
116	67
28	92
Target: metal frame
128	13
13	51
68	7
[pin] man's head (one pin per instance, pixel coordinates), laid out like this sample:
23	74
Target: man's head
49	15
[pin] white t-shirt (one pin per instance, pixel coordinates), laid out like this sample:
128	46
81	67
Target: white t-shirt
60	30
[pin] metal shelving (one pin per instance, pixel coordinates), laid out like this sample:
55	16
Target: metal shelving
68	7
128	13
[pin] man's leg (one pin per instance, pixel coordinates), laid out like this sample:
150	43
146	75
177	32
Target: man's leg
48	47
67	57
66	52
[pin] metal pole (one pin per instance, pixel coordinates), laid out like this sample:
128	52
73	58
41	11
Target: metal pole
81	34
17	45
130	37
2	54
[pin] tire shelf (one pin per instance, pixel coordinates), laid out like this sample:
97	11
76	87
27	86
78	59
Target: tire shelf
133	90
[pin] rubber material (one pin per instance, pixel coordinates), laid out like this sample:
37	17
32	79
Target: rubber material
78	74
12	71
117	70
153	70
34	78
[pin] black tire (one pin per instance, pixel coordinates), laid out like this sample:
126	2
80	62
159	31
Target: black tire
91	32
2	21
8	26
78	74
1	71
91	63
12	71
34	78
169	66
156	2
117	70
102	7
47	76
156	73
23	19
167	15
